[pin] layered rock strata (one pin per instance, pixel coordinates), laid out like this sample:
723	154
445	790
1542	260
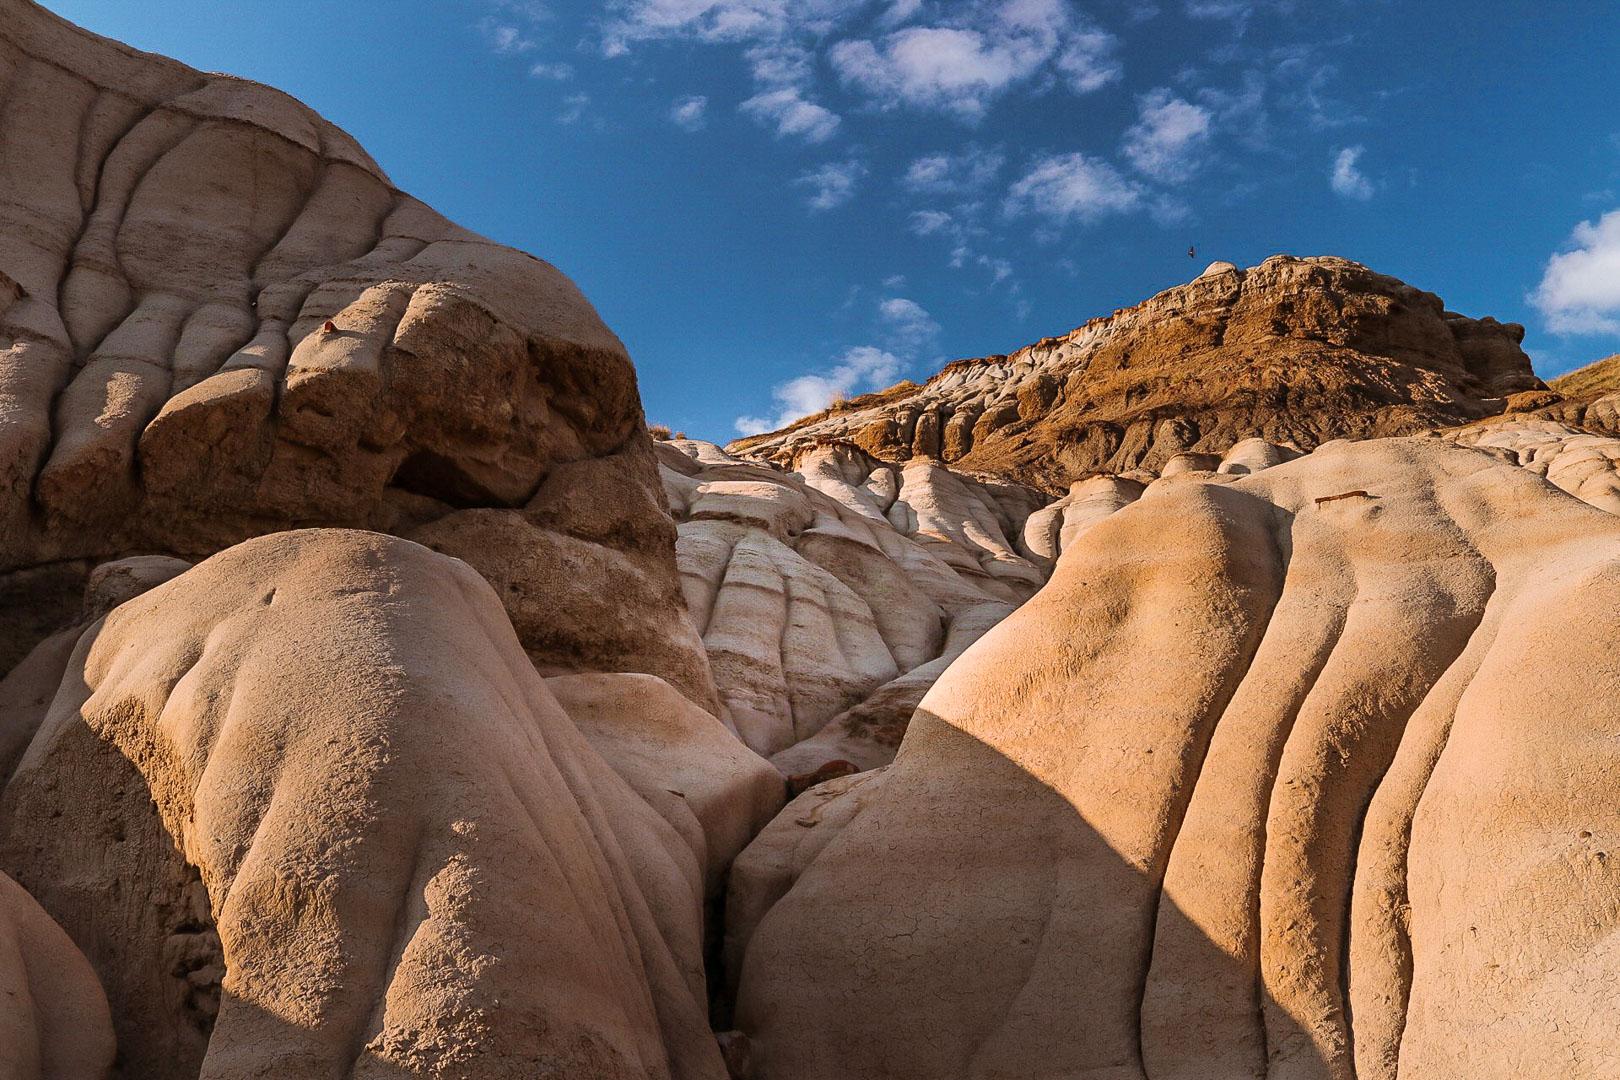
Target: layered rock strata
1293	351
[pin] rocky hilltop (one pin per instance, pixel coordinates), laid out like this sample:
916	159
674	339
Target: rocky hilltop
1293	351
382	701
1597	379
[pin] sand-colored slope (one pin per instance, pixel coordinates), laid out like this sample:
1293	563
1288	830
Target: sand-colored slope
1308	774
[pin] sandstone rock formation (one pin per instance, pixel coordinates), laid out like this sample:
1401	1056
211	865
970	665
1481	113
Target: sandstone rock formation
678	758
830	597
463	748
53	1016
1307	773
1293	351
311	811
1587	398
218	318
1586	466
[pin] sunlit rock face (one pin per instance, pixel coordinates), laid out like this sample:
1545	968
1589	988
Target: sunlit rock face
54	1023
310	810
218	318
1306	773
1293	351
831	595
383	702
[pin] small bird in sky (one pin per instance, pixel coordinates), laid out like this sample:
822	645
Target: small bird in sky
1192	252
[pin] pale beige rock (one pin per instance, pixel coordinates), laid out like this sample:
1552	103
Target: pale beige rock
867	734
310	811
764	872
829	598
173	247
1586	466
1052	530
677	757
1306	773
1251	455
54	1023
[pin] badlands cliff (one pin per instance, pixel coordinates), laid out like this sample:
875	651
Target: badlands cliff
1294	351
380	701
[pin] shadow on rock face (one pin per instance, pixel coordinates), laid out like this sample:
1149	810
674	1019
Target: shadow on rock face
309	810
1270	782
1003	936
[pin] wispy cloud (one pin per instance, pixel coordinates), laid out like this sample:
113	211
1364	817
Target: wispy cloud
1169	135
833	184
558	72
1580	288
506	39
690	113
907	324
962	64
859	370
906	332
632	21
931	222
573	110
791	115
1346	178
1067	189
969	170
510	26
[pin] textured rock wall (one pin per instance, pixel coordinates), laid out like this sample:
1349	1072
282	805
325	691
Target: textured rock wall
1293	351
54	1023
310	811
831	596
1300	774
218	318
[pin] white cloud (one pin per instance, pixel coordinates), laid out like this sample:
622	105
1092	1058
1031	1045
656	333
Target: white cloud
792	114
861	369
1580	289
900	11
574	106
510	24
690	113
961	65
1000	269
1347	178
907	323
559	71
1166	140
633	21
1087	61
1235	10
971	170
505	38
780	63
1073	188
833	184
929	222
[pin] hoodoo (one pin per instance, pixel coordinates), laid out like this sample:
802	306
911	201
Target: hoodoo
1224	690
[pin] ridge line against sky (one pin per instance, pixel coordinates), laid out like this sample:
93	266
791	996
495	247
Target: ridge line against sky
777	202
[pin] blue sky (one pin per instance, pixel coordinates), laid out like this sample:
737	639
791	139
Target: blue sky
772	201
